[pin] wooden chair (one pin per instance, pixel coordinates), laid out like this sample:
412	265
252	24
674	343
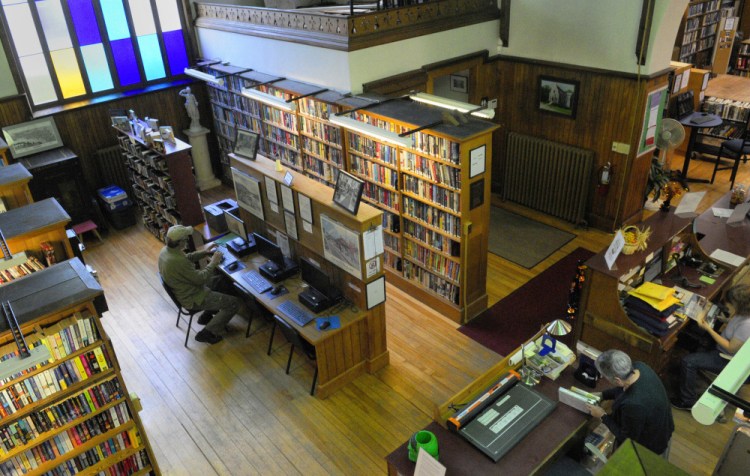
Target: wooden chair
181	310
735	150
294	338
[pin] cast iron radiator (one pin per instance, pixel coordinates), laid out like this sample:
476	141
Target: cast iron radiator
112	168
548	176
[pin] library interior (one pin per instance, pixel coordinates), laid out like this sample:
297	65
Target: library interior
367	237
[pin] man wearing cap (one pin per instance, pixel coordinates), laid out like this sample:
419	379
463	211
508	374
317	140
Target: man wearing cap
193	287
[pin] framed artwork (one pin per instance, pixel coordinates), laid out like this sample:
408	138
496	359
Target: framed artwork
348	192
247	189
246	144
558	96
341	246
167	134
32	137
459	83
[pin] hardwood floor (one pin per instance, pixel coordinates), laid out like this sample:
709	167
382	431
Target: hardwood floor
230	409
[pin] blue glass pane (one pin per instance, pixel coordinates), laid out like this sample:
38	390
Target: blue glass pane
84	21
115	19
127	67
153	64
97	68
174	43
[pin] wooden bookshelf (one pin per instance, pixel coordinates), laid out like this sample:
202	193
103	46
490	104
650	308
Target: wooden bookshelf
697	35
322	143
14	186
163	182
436	214
742	67
25	228
72	413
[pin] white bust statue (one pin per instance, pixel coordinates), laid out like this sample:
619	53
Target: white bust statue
191	105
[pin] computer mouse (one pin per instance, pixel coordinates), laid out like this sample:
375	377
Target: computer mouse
325	325
233	265
276	290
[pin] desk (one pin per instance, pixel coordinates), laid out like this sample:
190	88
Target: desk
688	121
554	436
342	354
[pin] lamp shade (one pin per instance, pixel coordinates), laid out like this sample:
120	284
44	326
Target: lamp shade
558	327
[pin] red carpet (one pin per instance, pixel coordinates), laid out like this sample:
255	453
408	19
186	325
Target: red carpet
513	320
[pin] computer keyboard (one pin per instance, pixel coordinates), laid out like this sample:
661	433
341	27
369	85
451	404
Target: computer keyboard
295	313
258	282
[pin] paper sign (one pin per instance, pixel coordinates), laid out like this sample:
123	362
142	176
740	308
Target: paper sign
427	465
721	212
727	257
614	249
738	215
373	242
688	204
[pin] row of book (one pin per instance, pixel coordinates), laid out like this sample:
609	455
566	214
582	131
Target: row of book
282	137
366	146
321	131
434	283
391	222
52	417
288	156
320	109
319	168
433	193
439	147
374	171
727	108
432	216
391	242
379	123
435	262
323	151
59	446
280	118
11	273
431	238
37	387
742	62
438	173
381	196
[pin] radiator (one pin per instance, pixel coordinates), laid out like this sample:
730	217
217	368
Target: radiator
548	176
112	168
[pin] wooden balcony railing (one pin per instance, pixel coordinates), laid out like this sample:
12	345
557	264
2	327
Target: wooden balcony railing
337	29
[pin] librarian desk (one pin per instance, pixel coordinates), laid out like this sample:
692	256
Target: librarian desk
341	354
561	431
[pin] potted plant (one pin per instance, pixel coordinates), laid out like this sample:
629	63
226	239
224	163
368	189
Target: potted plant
664	184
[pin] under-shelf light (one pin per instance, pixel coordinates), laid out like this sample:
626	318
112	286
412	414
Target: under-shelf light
268	99
372	131
205	76
459	106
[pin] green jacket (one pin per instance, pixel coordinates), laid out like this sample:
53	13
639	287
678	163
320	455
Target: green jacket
177	268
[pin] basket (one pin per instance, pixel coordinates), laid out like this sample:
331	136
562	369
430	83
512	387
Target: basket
635	239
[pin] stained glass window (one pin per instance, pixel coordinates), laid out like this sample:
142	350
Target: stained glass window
69	50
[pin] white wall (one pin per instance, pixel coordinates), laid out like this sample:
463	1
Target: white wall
598	34
340	70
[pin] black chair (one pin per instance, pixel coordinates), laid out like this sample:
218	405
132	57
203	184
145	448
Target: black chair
181	310
241	292
736	150
295	340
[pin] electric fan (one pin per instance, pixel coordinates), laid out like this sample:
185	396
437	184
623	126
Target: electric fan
670	134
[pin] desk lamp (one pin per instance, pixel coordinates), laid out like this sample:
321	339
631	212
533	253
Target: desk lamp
556	328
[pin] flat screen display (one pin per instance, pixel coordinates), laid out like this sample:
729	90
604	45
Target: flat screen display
316	278
268	249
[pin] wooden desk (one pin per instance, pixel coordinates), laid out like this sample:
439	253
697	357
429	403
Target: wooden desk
564	428
341	354
14	186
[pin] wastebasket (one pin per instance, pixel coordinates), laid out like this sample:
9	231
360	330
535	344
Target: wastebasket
117	206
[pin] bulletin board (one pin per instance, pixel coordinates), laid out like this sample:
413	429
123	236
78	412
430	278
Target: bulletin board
652	116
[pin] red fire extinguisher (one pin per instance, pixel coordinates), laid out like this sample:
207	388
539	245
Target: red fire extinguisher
605	175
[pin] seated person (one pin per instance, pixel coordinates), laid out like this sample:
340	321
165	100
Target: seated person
640	410
196	288
735	333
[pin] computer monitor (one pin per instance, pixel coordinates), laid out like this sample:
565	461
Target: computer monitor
235	225
269	249
315	277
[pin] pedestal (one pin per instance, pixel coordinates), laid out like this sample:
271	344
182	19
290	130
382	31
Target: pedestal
204	174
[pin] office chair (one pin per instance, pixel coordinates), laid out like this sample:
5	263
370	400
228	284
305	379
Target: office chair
296	340
181	310
251	316
736	150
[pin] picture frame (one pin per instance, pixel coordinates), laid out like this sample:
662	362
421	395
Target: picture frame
246	143
459	83
32	137
558	96
341	246
167	134
247	191
122	123
348	192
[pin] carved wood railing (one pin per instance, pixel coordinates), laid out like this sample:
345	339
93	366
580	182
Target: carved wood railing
344	32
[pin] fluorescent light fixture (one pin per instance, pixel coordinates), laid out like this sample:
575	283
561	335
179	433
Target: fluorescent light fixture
459	106
204	76
268	99
372	131
709	406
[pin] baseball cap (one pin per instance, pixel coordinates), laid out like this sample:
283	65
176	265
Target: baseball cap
179	232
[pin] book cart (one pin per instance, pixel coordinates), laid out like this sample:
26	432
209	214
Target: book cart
72	413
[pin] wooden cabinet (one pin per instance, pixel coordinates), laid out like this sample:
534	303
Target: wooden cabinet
26	227
72	413
164	185
603	322
14	186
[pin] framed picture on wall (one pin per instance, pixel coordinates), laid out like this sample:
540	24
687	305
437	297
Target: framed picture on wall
246	144
459	83
558	96
32	137
348	192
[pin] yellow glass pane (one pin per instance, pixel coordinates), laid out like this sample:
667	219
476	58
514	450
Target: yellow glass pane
68	73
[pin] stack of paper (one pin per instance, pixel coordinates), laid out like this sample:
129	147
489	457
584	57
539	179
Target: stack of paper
652	307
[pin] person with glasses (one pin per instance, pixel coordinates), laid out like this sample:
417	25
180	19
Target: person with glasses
640	408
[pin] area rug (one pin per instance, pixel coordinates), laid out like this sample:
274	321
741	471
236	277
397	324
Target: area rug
513	320
521	240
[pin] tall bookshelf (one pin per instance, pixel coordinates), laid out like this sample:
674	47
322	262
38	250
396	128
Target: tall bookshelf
163	182
72	413
322	143
742	67
436	211
697	34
